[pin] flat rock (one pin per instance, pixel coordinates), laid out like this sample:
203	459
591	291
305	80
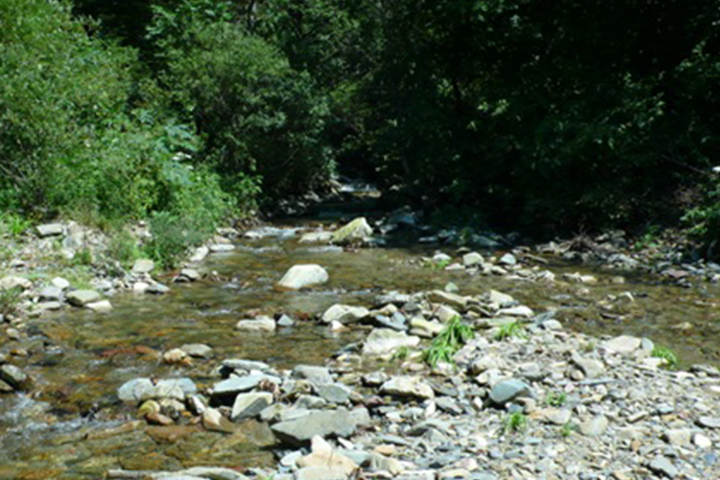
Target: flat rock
235	385
249	405
260	324
11	281
590	367
302	276
664	467
384	340
50	230
51	294
315	374
222	247
321	473
595	426
407	387
508	390
709	422
80	298
102	306
623	344
143	265
336	423
334	393
323	455
197	350
14	377
344	314
472	259
140	389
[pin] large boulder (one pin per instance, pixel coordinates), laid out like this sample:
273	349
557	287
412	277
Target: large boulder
384	340
333	423
357	231
344	314
301	276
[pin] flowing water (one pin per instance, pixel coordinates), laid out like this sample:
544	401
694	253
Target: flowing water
67	428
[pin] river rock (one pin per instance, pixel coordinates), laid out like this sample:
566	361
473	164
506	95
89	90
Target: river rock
662	466
334	393
709	422
61	283
499	299
323	456
519	311
508	390
452	299
143	265
51	294
344	314
248	405
595	426
591	368
188	275
10	282
103	306
301	276
316	375
472	259
340	423
235	385
357	231
623	344
508	259
80	298
197	350
384	340
14	377
407	387
321	473
222	247
50	230
424	328
260	324
215	421
140	389
199	254
316	237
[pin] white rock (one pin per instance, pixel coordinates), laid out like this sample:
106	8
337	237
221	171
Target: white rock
301	276
260	324
344	314
383	340
100	307
407	387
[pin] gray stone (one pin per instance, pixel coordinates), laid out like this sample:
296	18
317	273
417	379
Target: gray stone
334	393
508	390
249	405
344	314
143	265
301	276
321	473
190	274
508	259
234	385
242	364
382	341
452	299
10	282
140	389
50	230
14	377
340	423
595	426
60	283
157	289
285	321
623	344
222	247
407	387
100	307
197	350
260	324
678	437
591	368
662	466
316	375
472	259
214	421
51	294
80	298
709	422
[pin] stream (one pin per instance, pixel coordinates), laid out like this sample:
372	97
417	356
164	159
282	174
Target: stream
80	358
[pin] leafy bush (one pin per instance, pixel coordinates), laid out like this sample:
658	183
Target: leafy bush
261	120
450	339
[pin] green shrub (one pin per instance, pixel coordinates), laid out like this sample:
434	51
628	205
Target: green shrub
514	423
512	329
13	225
9	298
664	353
123	247
451	339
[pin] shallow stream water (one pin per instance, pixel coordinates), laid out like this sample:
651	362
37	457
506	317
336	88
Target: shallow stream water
64	428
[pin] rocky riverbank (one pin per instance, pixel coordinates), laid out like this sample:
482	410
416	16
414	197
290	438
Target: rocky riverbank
520	397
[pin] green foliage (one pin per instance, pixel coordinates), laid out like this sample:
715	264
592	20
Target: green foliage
9	298
556	399
648	239
123	247
83	257
13	225
512	329
450	339
437	266
567	429
400	354
670	358
515	422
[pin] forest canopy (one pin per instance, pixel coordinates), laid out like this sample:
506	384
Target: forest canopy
569	115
